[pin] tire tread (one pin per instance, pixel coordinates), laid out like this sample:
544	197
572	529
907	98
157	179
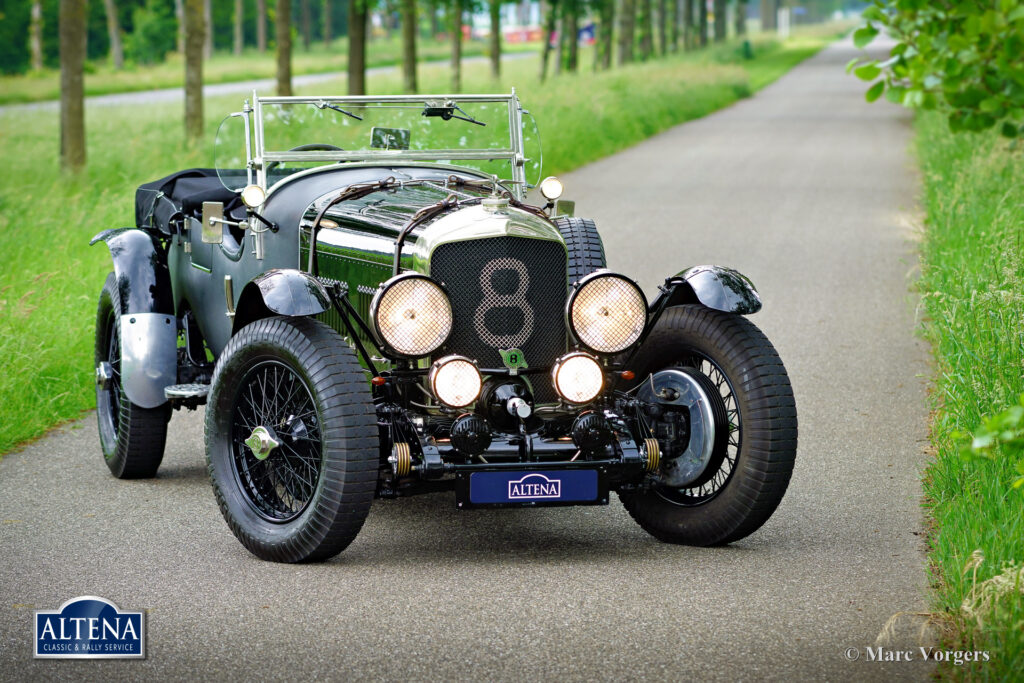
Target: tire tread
769	422
349	437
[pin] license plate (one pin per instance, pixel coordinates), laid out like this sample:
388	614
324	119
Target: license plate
549	487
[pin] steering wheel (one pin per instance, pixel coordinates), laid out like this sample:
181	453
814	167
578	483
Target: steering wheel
311	147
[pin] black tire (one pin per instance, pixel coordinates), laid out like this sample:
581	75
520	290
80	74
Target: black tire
132	438
586	251
308	499
762	433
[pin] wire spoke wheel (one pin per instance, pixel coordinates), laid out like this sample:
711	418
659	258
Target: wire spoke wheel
727	439
291	440
132	438
729	436
281	485
113	389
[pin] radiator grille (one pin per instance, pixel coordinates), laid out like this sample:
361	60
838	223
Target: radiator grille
506	292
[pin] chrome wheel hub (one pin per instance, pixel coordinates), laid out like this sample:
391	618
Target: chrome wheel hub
104	373
262	441
678	388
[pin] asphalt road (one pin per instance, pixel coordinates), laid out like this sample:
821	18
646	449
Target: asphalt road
264	85
805	188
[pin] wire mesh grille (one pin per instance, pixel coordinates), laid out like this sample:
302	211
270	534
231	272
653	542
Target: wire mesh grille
506	292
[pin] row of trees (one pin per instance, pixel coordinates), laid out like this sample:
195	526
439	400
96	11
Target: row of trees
146	31
644	28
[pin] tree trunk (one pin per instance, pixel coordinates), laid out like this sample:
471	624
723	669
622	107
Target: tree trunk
560	52
572	36
35	35
768	8
239	19
663	27
195	30
673	31
646	37
550	22
208	27
607	33
328	24
179	15
688	24
435	24
283	35
703	22
72	102
261	25
627	30
356	47
456	31
741	17
307	25
409	23
495	7
720	20
114	32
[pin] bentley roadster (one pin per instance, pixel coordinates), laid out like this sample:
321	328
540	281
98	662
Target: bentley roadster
368	305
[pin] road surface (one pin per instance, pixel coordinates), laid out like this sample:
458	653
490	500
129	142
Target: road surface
264	85
805	188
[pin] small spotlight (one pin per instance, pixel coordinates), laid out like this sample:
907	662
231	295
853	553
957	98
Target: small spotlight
253	196
455	381
578	378
551	188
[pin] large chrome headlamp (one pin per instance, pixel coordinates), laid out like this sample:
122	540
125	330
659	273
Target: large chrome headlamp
411	315
578	377
606	312
455	381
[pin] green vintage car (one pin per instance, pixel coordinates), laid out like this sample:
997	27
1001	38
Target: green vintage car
368	305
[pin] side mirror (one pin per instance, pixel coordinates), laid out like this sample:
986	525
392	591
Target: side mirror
213	220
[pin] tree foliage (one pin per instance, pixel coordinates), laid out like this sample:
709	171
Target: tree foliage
154	33
964	57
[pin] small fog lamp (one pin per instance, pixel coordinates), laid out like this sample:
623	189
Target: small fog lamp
253	196
551	188
578	378
455	381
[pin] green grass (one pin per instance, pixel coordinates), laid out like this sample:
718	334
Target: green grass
50	278
226	67
973	287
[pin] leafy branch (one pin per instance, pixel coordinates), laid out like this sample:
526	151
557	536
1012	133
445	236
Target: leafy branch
963	58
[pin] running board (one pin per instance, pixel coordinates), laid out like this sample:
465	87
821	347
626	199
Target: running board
188	396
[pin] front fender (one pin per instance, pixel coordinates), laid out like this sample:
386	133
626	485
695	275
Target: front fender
281	291
717	287
148	329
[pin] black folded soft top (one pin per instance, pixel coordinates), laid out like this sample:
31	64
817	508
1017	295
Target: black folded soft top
184	192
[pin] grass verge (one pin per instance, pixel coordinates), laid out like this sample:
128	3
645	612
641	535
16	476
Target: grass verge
973	289
224	67
50	278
